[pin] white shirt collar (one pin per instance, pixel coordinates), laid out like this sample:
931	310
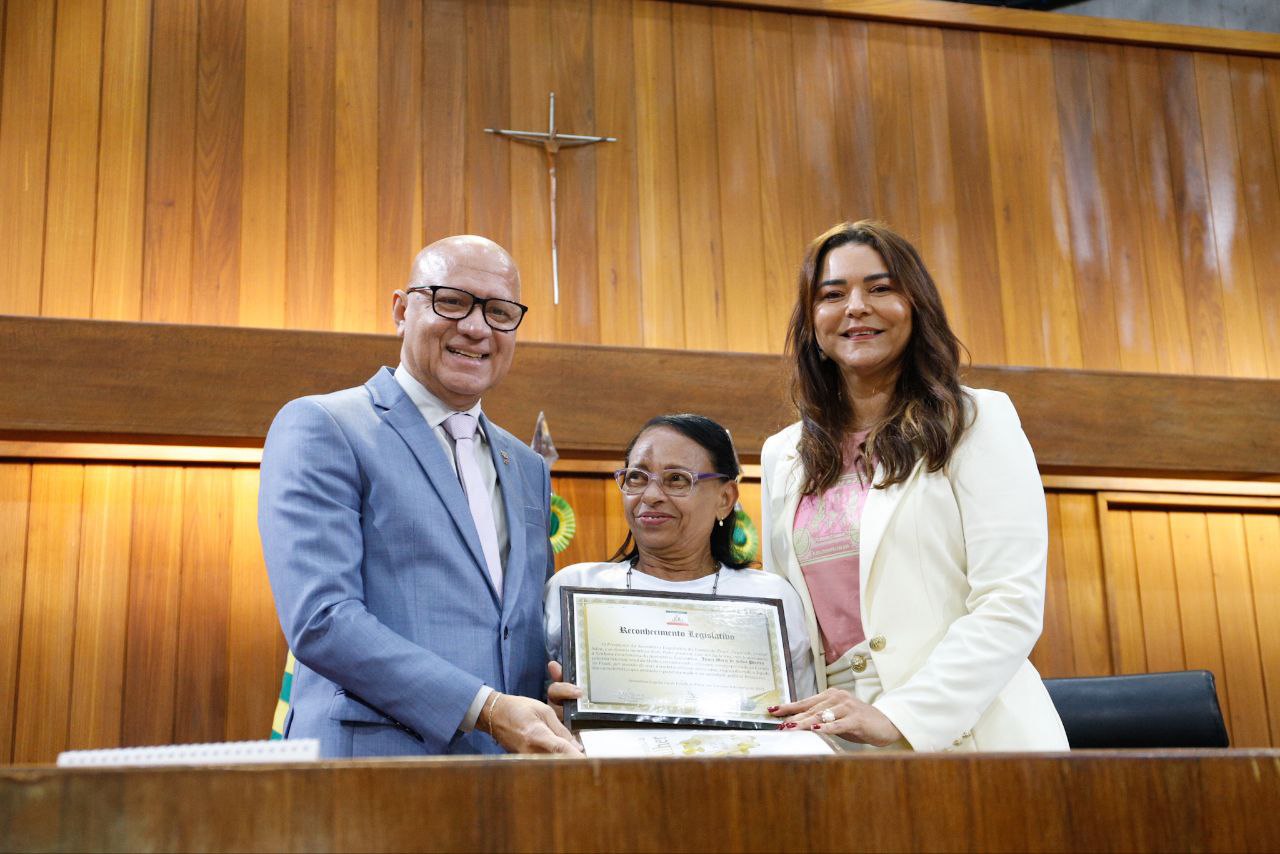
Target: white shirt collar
432	408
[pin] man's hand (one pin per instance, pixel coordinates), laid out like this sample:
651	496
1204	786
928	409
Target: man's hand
523	725
558	692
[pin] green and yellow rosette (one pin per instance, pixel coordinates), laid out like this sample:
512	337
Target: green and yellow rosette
563	524
746	539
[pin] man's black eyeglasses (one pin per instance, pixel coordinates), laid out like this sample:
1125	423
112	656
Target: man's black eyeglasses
455	304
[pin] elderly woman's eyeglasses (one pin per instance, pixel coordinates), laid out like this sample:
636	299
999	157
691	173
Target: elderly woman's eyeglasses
674	482
455	304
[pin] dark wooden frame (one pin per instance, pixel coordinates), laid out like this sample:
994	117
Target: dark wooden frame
168	383
575	718
1000	19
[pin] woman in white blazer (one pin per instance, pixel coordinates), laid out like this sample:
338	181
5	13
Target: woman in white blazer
908	513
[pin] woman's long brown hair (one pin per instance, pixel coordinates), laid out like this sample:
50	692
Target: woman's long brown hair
926	414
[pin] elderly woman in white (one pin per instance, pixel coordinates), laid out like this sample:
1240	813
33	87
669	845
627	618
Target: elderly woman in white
679	489
908	513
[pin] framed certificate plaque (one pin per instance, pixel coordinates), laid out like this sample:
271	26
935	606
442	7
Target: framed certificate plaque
647	658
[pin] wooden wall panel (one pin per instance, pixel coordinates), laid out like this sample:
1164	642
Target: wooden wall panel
816	141
892	118
701	255
1075	639
935	172
854	127
1230	222
145	616
737	81
444	117
256	648
1242	669
200	678
1162	633
1086	207
152	626
661	315
1119	186
617	206
488	166
786	184
122	162
1012	197
1153	203
572	63
1082	203
73	160
358	301
1262	535
532	79
1197	599
976	240
15	503
1260	200
171	113
219	164
141	612
310	237
1200	597
2	26
1053	654
1200	271
43	696
400	131
102	603
264	217
277	162
1086	591
1124	603
24	144
1059	285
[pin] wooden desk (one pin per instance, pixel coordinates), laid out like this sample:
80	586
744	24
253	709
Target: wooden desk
1158	801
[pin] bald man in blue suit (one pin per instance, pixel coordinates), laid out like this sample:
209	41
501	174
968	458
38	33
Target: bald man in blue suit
408	562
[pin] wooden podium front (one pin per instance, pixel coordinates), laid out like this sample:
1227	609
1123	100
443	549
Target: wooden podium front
1087	801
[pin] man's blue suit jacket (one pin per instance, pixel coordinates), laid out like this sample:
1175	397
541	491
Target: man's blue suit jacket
380	581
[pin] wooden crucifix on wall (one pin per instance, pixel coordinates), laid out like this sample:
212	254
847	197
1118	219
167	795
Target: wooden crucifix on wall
551	142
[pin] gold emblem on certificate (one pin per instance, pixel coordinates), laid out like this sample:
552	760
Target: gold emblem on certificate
642	657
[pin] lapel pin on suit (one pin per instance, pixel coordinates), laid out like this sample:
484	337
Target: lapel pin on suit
506	459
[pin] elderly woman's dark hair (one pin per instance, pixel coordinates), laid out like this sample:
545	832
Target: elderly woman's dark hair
926	416
713	439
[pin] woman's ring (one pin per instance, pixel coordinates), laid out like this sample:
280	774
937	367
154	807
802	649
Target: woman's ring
828	716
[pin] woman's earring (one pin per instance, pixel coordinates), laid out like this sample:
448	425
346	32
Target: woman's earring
721	522
822	355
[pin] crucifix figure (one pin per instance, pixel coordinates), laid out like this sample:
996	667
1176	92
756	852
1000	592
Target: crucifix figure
551	142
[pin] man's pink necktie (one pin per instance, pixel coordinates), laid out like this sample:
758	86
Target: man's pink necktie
462	427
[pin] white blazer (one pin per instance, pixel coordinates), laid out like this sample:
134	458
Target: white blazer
952	582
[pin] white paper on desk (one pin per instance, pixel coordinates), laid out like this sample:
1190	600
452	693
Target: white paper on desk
215	753
605	743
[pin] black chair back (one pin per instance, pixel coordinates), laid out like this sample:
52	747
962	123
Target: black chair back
1143	710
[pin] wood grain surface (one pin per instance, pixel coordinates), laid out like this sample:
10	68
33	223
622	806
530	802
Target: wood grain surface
1098	801
158	567
1082	203
594	396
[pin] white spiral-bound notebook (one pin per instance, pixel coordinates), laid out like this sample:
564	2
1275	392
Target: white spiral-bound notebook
216	753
